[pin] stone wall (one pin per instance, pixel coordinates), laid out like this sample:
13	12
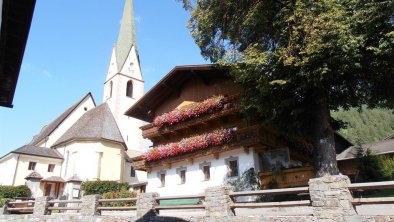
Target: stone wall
331	201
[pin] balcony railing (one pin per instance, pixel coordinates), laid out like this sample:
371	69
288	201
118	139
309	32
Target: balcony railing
244	137
230	107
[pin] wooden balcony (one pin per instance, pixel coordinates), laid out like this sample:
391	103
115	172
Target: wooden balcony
244	138
230	109
293	177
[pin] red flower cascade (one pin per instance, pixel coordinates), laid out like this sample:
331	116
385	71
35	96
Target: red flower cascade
209	105
188	145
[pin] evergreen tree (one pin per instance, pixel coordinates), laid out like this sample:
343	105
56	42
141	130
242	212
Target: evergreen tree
297	60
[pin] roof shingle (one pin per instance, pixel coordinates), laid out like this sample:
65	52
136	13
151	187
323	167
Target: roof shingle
98	123
38	151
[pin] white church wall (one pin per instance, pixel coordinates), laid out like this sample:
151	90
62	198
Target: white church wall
41	167
195	183
68	122
7	169
92	160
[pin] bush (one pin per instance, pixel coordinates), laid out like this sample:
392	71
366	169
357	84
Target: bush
119	194
375	168
101	187
14	191
3	201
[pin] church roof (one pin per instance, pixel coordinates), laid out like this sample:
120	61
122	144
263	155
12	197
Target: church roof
56	179
48	129
38	151
96	124
127	36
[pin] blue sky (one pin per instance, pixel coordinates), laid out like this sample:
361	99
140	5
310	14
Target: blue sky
68	52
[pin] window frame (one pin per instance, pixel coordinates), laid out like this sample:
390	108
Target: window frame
202	166
230	171
51	168
129	89
132	172
162	178
32	165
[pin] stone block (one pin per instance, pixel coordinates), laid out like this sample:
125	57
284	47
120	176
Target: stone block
89	205
41	205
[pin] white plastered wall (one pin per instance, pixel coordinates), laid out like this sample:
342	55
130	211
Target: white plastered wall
195	183
41	167
92	160
7	169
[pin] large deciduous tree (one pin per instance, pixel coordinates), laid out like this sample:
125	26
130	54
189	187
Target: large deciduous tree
297	60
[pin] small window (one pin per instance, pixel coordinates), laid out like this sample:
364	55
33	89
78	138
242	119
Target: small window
110	89
51	167
182	175
32	165
132	172
206	171
233	168
129	89
163	179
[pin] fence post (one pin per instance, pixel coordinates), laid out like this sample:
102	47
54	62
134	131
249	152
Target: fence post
331	198
89	205
41	205
146	203
218	202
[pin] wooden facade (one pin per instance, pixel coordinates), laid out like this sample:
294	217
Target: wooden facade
283	162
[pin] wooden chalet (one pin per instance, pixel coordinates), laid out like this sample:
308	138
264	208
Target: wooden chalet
281	162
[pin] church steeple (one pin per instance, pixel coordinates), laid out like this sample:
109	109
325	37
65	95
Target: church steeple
127	37
124	84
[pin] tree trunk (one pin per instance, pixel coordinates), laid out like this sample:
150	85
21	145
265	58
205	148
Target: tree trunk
324	142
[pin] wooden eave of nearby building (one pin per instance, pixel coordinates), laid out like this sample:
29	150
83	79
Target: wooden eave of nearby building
15	26
230	113
252	136
144	108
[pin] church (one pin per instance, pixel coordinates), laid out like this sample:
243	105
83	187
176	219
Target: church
88	141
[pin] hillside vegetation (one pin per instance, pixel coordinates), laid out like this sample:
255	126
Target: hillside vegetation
367	126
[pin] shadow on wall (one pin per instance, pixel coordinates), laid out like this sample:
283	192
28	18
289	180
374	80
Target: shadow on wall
151	217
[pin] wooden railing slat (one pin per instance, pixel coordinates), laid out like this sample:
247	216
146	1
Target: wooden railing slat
65	201
375	200
200	206
117	200
21	202
180	197
372	185
19	208
117	208
64	208
271	191
272	204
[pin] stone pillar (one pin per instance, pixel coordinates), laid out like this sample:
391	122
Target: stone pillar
218	202
41	205
146	203
89	205
331	198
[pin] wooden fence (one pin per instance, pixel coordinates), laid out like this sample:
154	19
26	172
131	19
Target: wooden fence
27	206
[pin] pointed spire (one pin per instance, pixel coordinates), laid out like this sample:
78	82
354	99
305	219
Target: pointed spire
126	38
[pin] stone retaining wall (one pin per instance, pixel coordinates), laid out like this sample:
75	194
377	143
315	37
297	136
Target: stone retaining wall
331	201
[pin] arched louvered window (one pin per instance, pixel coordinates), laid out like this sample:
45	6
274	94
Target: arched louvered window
129	89
110	89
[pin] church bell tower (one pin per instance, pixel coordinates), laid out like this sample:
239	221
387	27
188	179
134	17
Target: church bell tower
124	83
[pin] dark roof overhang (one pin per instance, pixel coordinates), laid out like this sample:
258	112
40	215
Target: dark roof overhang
169	85
15	25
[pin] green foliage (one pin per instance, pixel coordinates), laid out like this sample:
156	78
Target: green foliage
297	60
119	194
248	181
14	191
375	168
101	187
365	125
3	201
